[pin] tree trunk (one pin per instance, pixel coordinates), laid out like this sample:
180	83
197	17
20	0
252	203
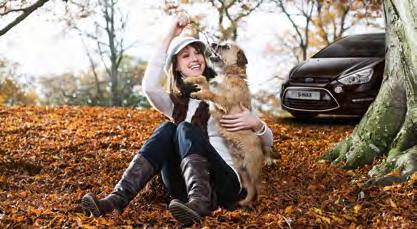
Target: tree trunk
109	11
389	126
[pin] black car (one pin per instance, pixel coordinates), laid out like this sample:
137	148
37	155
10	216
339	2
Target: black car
343	78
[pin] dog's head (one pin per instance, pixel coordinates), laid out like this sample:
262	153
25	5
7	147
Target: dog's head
227	54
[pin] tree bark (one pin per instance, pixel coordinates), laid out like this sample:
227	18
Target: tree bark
389	126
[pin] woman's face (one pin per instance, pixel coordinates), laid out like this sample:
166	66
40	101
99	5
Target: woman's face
190	62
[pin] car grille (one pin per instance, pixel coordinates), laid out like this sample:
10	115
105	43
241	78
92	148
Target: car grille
310	105
314	80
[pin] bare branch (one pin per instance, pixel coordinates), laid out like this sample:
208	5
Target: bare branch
319	24
295	26
249	11
343	21
26	12
102	54
11	11
308	20
93	69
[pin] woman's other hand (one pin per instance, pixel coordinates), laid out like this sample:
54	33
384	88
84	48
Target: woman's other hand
244	120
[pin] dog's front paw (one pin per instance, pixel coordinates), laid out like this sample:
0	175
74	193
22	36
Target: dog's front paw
200	80
202	95
195	80
199	95
196	95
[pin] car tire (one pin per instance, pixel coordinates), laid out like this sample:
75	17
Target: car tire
300	115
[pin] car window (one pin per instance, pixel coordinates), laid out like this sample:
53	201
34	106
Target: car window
366	45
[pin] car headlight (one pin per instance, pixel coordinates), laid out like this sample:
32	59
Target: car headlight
359	77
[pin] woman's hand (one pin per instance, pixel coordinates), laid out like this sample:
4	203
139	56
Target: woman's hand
241	121
179	23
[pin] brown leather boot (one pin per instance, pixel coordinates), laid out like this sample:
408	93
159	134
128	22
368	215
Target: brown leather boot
135	177
195	169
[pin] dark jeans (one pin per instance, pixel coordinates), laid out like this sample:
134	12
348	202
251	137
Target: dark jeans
170	143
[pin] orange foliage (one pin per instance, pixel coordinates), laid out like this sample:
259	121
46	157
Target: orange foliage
50	157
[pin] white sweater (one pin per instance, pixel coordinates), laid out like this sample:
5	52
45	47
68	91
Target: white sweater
160	100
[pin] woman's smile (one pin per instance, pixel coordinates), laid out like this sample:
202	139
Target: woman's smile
195	66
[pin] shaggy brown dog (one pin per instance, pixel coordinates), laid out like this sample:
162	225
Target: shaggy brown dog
227	92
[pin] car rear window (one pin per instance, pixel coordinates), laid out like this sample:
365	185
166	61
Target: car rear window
365	45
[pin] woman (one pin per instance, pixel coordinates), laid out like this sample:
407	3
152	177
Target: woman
193	159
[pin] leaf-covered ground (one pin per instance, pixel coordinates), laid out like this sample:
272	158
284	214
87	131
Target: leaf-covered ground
51	157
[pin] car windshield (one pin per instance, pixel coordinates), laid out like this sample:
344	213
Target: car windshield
366	45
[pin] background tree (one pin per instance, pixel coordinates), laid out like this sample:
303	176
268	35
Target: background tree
13	92
108	35
61	90
333	19
229	14
389	127
131	75
317	23
81	89
305	9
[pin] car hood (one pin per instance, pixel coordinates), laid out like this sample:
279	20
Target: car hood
331	68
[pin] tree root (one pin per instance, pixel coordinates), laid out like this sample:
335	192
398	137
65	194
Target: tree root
373	135
405	162
338	152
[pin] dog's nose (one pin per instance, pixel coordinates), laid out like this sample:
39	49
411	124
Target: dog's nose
214	45
215	59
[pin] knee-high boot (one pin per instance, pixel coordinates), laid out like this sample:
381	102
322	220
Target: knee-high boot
134	178
195	169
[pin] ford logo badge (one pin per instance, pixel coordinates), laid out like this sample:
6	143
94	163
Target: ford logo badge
309	80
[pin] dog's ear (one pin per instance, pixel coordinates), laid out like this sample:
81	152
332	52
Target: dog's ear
241	59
